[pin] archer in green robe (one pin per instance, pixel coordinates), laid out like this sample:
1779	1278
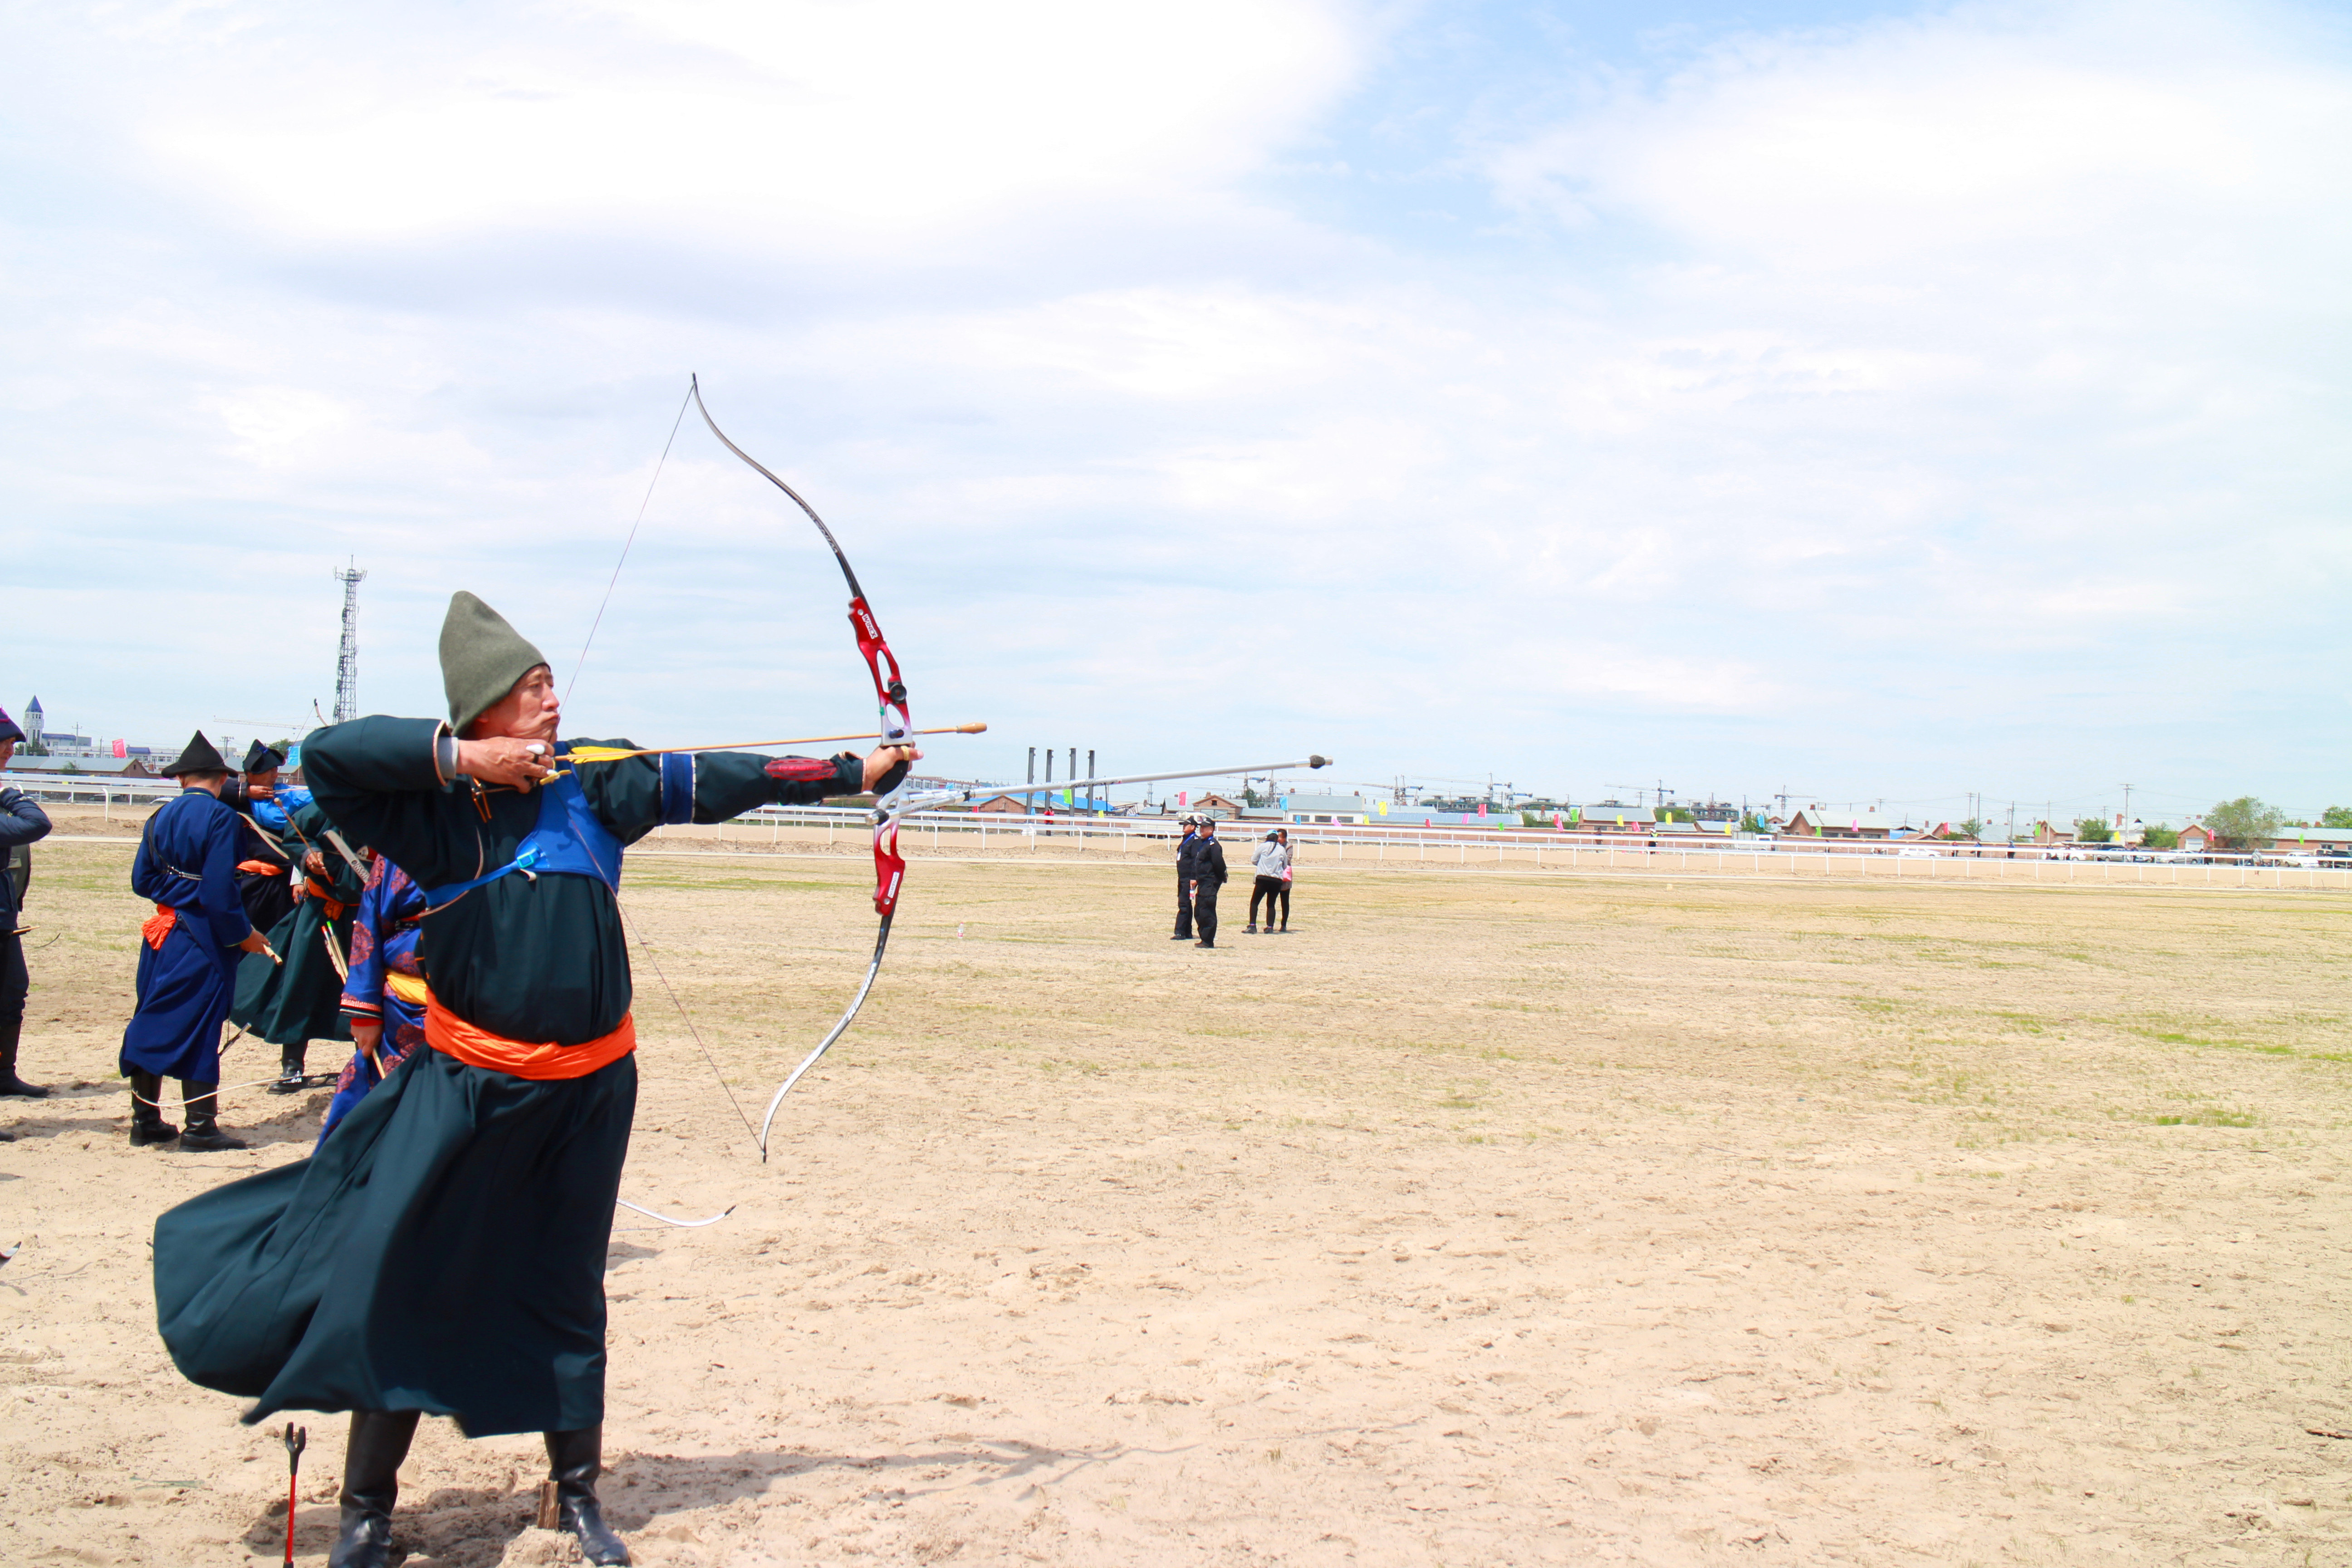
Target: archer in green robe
298	997
442	1251
281	1285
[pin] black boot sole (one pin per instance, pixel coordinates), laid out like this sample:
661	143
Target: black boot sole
142	1139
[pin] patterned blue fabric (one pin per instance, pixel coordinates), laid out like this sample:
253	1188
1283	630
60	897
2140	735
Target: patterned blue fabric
383	940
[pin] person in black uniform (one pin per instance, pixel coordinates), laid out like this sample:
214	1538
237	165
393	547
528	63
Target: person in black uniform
22	822
1184	854
1208	876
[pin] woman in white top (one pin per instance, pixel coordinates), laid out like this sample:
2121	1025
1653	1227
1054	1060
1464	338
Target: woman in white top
1273	862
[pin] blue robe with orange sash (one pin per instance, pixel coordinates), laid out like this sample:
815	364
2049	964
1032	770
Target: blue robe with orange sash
444	1251
186	865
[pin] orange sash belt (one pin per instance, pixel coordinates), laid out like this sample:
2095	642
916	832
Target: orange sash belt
260	869
157	926
478	1047
312	887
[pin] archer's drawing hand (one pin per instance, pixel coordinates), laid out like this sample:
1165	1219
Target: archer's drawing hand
885	765
503	760
367	1036
255	942
315	863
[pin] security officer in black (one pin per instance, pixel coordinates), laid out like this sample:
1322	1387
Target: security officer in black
22	824
1208	876
1184	853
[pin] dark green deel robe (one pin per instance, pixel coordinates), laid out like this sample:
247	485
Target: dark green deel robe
444	1249
303	997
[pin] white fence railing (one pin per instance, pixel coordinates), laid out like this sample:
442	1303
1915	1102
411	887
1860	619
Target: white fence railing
83	789
1521	849
1401	847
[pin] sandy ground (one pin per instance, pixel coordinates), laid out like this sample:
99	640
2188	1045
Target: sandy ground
1475	1221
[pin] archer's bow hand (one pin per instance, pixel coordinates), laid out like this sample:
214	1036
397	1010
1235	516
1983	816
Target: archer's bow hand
886	765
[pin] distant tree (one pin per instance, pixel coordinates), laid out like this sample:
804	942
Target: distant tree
2093	830
1673	813
70	768
2244	822
1972	828
1754	823
2337	817
2158	836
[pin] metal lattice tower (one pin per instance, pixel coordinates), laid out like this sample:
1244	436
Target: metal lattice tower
347	661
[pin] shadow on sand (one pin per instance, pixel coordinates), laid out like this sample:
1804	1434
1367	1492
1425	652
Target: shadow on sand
471	1527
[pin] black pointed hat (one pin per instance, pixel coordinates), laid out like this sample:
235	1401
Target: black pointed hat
8	729
261	759
198	756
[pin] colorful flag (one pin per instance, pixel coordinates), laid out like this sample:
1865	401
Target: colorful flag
120	750
1180	797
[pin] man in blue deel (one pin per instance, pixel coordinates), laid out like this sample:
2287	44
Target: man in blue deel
189	950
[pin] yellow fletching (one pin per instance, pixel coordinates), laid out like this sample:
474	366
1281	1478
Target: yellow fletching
600	753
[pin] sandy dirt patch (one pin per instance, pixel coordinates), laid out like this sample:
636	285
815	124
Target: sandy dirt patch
1475	1221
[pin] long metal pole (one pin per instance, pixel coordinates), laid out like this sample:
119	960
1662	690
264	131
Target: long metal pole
1188	773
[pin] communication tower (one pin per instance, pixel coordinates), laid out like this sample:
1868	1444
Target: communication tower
347	661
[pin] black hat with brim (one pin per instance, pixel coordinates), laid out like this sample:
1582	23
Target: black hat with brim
198	756
8	730
261	759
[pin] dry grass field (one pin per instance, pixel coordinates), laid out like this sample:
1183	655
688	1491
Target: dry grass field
1478	1220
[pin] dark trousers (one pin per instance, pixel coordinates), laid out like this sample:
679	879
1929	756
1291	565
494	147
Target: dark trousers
1204	913
1183	905
1266	889
14	980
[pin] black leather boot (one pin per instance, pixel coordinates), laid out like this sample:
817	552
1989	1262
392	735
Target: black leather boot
147	1124
575	1460
11	1086
204	1134
379	1441
289	1069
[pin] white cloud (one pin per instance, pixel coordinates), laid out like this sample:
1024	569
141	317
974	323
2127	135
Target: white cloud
798	126
1988	132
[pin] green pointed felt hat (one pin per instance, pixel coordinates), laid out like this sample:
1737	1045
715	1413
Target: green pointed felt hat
482	658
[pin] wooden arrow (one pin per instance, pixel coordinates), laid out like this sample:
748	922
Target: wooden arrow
614	754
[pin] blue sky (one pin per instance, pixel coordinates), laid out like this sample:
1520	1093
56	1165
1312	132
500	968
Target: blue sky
1874	402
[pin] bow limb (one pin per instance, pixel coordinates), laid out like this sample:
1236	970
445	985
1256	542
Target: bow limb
840	1028
666	1219
889	687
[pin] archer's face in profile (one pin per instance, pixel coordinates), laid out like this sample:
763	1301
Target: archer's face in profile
529	712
